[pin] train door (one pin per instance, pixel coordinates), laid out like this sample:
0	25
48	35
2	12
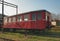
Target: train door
48	19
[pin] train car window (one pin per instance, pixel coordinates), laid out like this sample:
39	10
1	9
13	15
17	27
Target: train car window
39	16
46	17
33	16
19	18
10	20
14	19
5	19
26	17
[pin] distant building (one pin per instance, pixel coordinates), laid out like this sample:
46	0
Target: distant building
55	20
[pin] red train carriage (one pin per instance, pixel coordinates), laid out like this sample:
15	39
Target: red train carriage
37	20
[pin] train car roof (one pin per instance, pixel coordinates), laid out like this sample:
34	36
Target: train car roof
31	12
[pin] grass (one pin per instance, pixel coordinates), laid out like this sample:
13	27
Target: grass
55	29
52	35
22	37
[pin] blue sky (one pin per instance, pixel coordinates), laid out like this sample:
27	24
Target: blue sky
30	5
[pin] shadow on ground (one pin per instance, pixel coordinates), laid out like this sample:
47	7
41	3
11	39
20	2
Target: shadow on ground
39	33
46	34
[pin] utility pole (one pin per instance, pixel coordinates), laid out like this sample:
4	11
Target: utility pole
2	13
7	4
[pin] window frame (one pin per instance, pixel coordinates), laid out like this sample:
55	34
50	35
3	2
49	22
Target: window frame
26	17
13	19
5	19
39	17
19	19
10	20
34	16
